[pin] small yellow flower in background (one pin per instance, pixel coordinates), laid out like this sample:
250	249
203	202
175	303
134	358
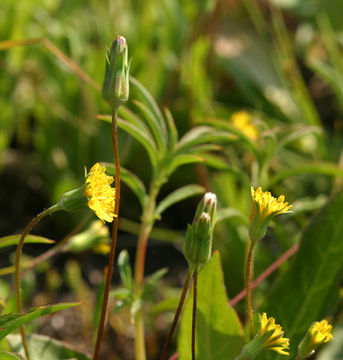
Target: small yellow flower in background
265	206
275	341
318	333
242	121
100	194
269	337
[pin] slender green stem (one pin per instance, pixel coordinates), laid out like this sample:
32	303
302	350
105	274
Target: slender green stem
145	230
26	231
177	315
248	276
114	236
194	316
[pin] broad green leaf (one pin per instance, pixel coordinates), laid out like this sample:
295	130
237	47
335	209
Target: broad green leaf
12	321
45	348
300	296
125	269
14	239
321	168
131	180
159	134
5	355
177	196
219	334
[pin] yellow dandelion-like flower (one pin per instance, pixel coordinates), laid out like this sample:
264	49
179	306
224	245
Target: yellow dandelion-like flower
100	194
242	121
320	332
275	341
267	204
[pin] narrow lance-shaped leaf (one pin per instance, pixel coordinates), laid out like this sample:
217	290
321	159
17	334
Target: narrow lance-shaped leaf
172	130
313	275
12	321
14	239
5	355
143	137
45	348
321	168
177	196
131	180
159	134
147	96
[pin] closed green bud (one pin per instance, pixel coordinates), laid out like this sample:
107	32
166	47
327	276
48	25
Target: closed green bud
198	243
115	89
73	200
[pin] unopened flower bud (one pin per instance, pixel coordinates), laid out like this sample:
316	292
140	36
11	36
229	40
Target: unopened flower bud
115	89
198	243
73	200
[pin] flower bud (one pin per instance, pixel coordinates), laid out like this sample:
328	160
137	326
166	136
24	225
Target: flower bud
318	333
198	243
115	89
73	200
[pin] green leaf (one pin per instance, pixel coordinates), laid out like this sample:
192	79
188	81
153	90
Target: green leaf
14	239
177	196
45	348
219	334
125	269
300	296
144	137
321	168
183	159
147	96
151	281
172	130
131	117
5	355
12	321
131	180
154	124
229	213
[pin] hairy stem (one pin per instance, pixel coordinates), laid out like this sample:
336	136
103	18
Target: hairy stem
194	315
177	315
114	236
248	276
26	231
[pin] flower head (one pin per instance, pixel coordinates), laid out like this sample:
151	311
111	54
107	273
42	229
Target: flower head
318	333
242	121
265	206
100	194
275	341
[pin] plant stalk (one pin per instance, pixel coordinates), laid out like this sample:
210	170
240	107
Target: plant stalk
114	235
194	315
26	231
145	230
177	315
248	276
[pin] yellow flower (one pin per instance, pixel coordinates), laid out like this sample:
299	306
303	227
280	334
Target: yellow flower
318	333
100	194
275	341
267	204
242	121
